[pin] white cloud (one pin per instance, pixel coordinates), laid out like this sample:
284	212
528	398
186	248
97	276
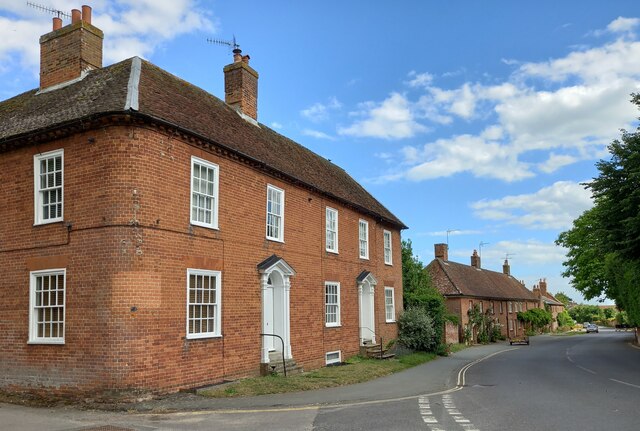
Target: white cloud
391	119
464	153
623	25
555	162
131	27
276	125
320	111
569	107
419	79
553	207
525	253
456	232
317	134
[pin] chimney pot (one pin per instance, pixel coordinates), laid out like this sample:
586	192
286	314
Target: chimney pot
76	16
66	55
441	251
245	59
86	14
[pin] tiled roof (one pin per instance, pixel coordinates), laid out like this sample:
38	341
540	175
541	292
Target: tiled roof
551	300
163	97
465	280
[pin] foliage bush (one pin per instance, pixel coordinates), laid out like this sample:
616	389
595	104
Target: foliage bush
564	319
416	330
536	318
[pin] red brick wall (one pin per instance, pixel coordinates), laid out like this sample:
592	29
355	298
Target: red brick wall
127	196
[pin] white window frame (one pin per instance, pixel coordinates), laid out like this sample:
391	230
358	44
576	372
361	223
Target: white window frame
389	308
217	332
214	196
336	304
331	231
280	236
388	247
363	227
38	191
510	306
328	361
33	316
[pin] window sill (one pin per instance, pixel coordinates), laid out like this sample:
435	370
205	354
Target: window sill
333	325
43	223
388	264
332	251
364	258
53	342
206	226
203	337
281	241
390	321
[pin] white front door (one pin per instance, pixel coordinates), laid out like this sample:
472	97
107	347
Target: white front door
268	318
367	321
275	314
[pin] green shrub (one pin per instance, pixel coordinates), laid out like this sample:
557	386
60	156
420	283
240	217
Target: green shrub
416	330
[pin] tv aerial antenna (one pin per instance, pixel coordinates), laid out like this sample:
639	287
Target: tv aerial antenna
508	255
57	12
232	44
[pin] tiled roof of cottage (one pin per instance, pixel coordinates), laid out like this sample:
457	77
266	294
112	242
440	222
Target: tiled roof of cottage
163	97
551	300
465	280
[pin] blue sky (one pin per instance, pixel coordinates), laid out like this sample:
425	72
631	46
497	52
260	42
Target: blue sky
482	118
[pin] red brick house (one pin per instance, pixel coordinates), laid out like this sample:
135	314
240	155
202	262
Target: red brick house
153	232
498	294
549	302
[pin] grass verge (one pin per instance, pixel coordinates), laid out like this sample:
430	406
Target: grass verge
355	370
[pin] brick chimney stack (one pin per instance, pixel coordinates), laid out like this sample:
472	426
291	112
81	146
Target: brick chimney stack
506	269
543	286
475	259
442	251
68	51
241	85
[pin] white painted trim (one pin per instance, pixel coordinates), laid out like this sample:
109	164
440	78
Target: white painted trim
338	319
218	321
33	327
281	237
384	245
133	85
334	361
326	220
393	304
366	225
37	200
285	273
214	216
365	330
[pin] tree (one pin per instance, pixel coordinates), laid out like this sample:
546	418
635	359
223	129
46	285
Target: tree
419	292
604	242
564	298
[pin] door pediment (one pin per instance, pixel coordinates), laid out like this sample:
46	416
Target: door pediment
366	277
274	262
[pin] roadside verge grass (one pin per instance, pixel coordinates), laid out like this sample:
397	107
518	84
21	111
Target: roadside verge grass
355	370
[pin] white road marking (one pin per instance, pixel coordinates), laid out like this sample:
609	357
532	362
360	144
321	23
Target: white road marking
586	369
625	383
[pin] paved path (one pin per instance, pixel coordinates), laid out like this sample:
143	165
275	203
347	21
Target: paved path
432	377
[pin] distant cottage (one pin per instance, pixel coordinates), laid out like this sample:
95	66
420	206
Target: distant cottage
156	238
497	294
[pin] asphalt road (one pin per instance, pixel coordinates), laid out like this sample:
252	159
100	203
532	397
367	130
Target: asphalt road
585	382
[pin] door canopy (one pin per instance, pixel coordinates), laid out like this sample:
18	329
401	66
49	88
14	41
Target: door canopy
274	262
